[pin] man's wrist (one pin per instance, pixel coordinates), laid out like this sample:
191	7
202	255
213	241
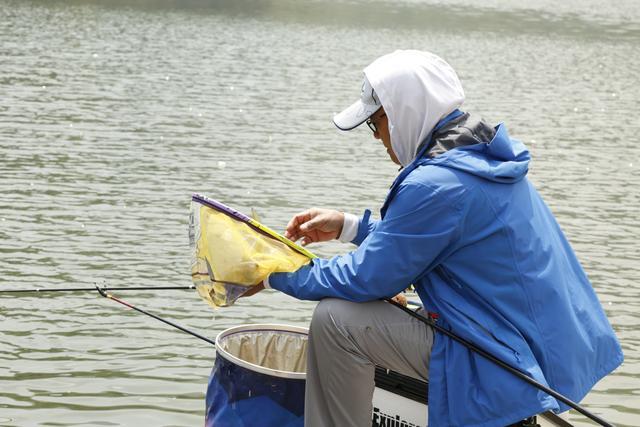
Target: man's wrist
349	228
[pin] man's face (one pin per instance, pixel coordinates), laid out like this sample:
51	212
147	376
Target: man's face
381	124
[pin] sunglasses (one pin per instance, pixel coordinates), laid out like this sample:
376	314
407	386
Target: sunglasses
373	124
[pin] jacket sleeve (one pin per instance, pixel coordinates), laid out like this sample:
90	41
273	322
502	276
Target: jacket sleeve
365	227
420	225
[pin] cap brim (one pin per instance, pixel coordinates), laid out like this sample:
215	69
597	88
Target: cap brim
354	115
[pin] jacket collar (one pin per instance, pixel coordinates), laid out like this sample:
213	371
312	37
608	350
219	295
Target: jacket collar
417	160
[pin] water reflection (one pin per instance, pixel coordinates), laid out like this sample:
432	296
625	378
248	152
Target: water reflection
112	114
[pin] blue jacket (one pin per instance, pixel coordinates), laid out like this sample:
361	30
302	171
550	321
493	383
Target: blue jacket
486	254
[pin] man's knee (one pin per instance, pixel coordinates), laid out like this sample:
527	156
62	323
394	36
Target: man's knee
323	314
329	325
330	313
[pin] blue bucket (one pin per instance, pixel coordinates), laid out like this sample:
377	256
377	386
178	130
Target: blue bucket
258	377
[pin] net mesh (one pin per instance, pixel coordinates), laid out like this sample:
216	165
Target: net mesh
229	256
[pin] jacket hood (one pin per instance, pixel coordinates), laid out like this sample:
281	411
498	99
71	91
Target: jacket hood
417	89
502	159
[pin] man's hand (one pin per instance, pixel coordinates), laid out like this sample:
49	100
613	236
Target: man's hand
253	290
400	299
315	225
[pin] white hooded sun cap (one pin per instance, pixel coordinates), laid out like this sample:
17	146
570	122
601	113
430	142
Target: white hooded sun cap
417	89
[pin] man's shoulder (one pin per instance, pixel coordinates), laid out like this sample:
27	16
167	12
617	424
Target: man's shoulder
439	178
438	182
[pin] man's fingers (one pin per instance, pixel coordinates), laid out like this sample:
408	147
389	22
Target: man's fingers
293	224
314	225
400	299
307	240
293	227
311	225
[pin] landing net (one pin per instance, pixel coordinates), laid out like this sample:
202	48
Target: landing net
231	252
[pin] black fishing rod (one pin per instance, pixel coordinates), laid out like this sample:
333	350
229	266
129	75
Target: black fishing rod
104	293
429	322
120	288
503	365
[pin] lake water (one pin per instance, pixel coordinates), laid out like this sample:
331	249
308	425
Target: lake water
112	115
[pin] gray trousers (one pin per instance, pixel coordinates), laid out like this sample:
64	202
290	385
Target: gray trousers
346	341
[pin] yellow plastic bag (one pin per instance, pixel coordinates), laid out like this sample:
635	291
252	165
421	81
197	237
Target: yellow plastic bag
232	252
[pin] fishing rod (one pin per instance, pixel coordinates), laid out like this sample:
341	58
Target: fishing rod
116	288
502	364
104	293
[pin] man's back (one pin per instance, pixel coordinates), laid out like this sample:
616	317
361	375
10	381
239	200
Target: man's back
510	282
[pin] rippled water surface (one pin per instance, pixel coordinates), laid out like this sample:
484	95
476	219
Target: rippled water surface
112	115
